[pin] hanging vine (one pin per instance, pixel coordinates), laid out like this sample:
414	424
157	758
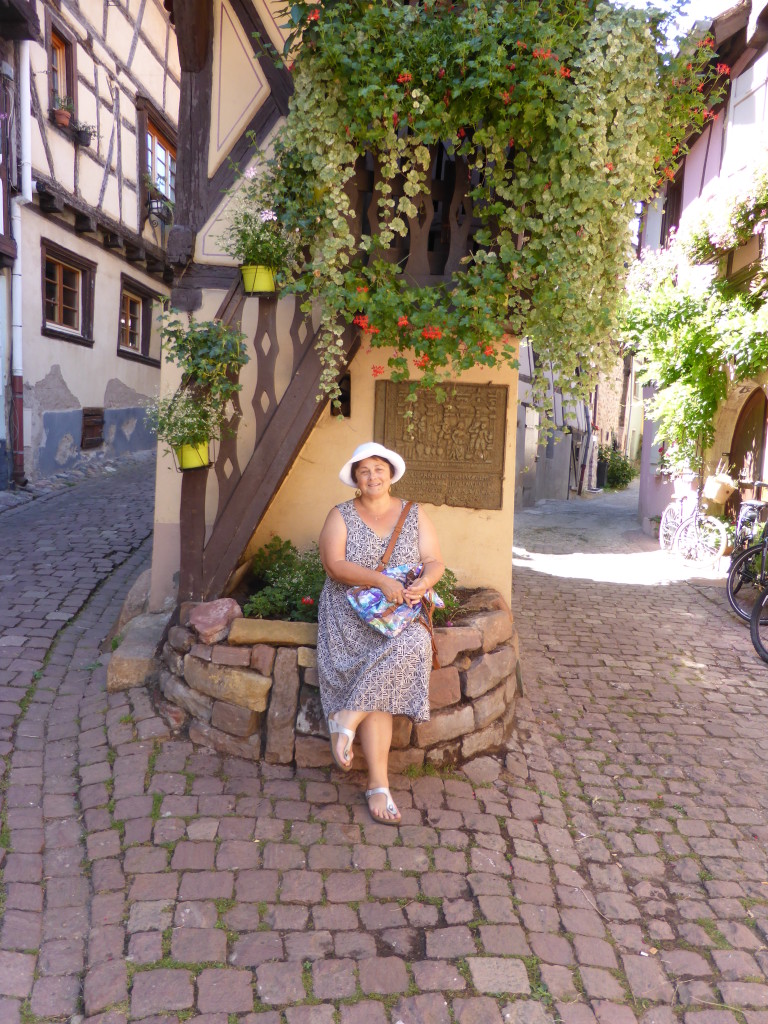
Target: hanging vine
566	112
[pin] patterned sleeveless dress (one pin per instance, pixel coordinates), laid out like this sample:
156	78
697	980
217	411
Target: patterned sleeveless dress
359	669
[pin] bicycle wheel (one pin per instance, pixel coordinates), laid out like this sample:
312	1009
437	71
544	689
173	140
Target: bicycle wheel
758	625
747	579
670	520
700	539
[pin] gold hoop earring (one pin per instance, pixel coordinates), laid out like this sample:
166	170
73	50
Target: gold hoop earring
358	493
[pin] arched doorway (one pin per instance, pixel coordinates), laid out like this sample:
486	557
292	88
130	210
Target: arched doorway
748	442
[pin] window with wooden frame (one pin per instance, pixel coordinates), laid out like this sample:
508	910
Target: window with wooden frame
68	285
62	74
135	321
157	155
161	162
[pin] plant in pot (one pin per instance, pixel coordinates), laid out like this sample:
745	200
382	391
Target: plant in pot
62	110
83	132
210	355
256	238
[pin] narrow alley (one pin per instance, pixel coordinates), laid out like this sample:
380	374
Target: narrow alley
609	866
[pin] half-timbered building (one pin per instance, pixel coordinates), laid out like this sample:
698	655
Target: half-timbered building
88	144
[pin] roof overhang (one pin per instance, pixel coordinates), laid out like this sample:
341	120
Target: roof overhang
18	20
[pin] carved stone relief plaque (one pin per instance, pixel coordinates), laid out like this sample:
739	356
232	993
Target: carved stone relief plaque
455	451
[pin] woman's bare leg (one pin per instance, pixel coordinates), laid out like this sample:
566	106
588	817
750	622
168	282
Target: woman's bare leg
375	734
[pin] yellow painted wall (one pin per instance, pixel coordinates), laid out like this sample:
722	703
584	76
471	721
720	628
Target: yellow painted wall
477	543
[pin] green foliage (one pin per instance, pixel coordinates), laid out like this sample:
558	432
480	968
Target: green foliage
289	583
693	336
210	355
620	471
713	225
446	589
563	113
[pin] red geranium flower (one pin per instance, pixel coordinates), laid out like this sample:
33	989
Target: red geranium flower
431	333
564	72
313	15
723	69
307	600
361	320
488	350
377	370
609	166
404	77
403	322
422	361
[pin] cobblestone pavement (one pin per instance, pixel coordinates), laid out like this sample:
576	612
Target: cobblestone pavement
609	867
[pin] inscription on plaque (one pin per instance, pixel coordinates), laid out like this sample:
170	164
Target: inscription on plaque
454	450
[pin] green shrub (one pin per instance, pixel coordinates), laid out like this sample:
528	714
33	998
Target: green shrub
620	469
288	583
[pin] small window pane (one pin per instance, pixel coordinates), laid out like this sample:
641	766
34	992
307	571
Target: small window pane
130	322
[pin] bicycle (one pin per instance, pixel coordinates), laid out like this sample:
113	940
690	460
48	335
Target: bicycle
758	624
672	516
697	537
748	570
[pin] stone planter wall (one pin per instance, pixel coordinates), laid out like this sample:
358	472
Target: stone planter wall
254	692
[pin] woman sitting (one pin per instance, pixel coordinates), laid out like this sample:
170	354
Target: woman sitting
366	678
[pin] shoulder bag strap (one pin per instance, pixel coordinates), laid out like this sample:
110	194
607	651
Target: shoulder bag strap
393	539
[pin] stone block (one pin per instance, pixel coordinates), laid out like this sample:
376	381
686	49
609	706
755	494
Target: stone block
311	752
207	736
197	704
490	706
173	660
212	619
263	658
234	720
307	657
487	671
452	640
221	654
180	639
444	687
310	720
445	725
240	686
133	663
486	600
273	631
482	740
136	600
310	677
202	651
444	754
402	728
399	760
281	717
496	627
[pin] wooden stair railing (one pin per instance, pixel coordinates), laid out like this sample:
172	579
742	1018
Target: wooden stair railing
282	426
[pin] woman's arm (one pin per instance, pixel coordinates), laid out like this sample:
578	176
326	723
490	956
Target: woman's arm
431	558
333	548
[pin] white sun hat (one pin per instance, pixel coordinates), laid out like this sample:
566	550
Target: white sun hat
366	451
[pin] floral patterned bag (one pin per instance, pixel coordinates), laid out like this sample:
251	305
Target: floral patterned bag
386	618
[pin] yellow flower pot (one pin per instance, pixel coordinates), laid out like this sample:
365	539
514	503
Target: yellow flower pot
192	456
258	280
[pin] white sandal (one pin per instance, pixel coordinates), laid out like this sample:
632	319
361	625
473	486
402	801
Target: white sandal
334	729
390	807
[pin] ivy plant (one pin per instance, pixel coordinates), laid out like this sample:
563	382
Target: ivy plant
566	113
694	335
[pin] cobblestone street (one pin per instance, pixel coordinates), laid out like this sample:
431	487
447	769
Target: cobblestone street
610	866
